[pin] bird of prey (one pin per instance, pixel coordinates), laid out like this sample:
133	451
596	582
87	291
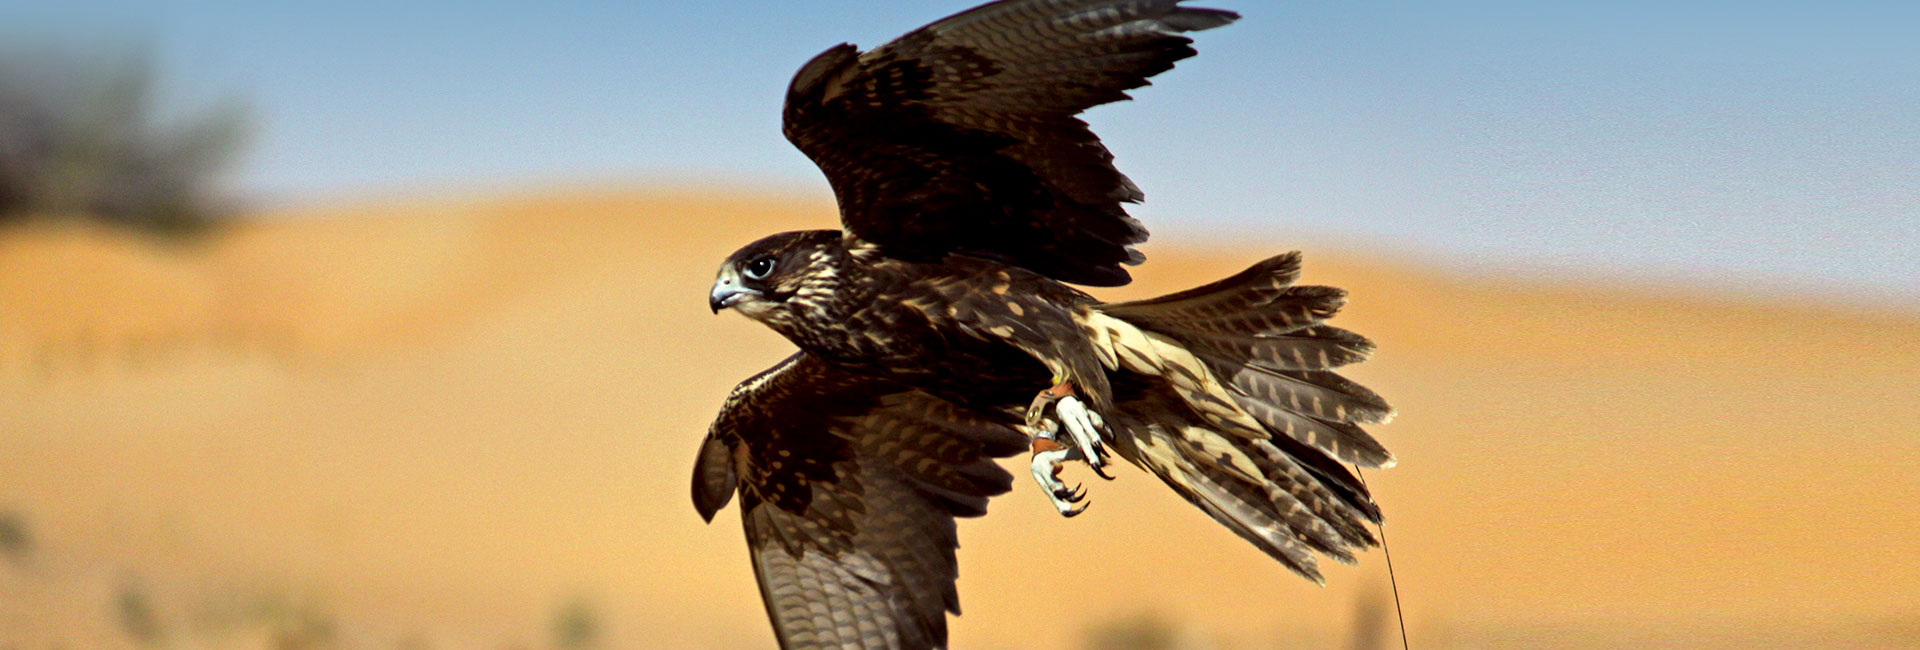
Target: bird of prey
937	331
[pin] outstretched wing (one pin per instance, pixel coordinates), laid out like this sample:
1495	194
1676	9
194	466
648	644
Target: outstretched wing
961	137
848	489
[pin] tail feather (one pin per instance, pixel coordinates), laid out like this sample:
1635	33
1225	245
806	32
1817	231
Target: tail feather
1316	393
1226	295
1286	474
1236	503
1248	421
1345	441
1331	474
1263	339
1258	311
1254	489
1313	348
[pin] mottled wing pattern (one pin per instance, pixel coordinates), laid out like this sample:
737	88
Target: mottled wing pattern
961	137
849	487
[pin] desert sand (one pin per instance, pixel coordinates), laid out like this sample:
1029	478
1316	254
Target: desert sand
469	423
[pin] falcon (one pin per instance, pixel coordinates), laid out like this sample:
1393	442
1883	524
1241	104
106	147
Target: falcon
938	331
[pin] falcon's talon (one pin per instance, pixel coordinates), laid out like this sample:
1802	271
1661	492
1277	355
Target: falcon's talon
1048	454
1084	426
1046	471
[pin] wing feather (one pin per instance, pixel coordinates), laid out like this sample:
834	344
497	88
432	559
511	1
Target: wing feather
849	487
962	136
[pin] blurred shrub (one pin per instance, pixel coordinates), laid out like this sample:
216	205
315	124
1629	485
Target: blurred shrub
576	627
1139	632
16	541
1371	622
138	619
79	136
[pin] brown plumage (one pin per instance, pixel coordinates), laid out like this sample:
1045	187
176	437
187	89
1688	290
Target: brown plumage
961	136
848	489
1251	424
969	194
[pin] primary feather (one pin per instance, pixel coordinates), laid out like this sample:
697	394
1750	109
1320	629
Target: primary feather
961	136
850	486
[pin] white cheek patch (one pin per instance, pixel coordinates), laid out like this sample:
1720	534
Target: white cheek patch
753	307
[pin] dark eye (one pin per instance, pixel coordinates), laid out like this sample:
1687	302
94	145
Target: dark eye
759	268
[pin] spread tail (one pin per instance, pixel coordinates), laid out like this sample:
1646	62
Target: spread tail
1248	420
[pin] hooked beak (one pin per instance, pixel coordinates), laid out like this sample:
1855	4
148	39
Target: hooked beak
725	293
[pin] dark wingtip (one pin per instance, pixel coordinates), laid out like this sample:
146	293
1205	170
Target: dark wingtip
713	479
1106	275
707	504
820	66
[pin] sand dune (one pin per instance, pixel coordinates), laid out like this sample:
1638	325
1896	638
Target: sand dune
451	424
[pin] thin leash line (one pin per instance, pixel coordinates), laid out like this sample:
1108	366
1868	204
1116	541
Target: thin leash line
1388	552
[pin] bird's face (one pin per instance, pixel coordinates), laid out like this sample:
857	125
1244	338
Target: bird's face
761	278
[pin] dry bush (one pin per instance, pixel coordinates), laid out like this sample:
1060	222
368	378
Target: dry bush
16	539
83	136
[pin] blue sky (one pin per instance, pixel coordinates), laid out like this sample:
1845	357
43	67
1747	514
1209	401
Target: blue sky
1764	146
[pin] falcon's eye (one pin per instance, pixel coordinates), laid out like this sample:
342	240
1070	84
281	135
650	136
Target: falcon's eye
759	268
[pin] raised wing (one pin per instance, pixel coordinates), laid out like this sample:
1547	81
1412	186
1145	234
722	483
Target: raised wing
961	137
848	489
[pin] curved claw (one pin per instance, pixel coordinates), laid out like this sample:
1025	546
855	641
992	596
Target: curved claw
1076	511
1100	471
1083	426
1046	470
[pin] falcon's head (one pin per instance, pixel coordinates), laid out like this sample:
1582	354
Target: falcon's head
759	279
